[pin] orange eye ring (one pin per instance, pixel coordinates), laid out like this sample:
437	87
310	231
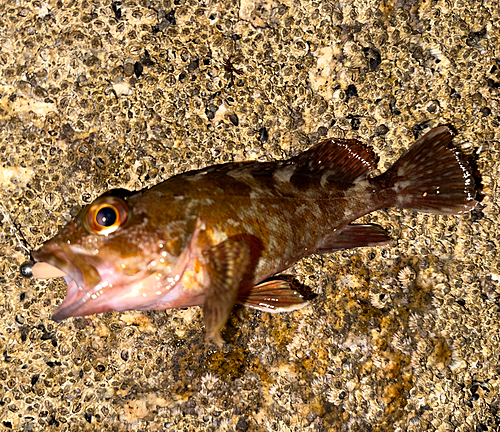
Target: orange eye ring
106	215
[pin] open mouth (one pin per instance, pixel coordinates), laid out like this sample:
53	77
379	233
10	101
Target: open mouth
97	283
73	265
60	261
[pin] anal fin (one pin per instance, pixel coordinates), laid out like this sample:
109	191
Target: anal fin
352	236
273	296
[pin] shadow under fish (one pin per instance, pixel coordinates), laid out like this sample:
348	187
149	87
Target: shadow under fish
214	237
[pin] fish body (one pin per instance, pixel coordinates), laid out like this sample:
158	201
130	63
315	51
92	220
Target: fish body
213	237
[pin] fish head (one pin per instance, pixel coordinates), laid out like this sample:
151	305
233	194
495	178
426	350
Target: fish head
119	253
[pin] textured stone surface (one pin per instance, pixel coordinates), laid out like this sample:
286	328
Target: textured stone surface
97	95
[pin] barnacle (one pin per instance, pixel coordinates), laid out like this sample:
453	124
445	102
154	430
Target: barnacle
208	382
336	396
414	322
406	276
401	342
379	300
319	384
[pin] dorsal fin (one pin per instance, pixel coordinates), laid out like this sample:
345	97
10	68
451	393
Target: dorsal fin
345	160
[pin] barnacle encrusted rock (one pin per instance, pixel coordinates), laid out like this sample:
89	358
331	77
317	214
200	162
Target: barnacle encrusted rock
101	95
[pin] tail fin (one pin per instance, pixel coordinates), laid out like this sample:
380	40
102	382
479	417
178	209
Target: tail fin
432	177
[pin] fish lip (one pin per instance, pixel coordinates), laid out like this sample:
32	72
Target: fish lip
65	310
57	256
62	257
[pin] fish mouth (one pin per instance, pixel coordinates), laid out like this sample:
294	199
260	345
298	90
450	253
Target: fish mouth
99	283
80	276
91	292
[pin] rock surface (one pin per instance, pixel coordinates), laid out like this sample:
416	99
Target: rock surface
99	95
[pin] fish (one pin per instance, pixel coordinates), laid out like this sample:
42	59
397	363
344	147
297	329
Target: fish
218	236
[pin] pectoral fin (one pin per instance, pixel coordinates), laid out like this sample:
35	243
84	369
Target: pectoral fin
228	262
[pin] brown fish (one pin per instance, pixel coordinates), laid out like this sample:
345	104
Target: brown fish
213	237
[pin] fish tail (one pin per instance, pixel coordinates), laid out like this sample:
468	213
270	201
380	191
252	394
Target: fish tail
431	177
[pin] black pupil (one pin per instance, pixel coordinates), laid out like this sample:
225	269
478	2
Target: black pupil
106	217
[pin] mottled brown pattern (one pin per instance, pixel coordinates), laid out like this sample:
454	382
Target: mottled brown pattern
207	235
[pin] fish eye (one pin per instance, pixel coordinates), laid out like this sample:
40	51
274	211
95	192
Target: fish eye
106	215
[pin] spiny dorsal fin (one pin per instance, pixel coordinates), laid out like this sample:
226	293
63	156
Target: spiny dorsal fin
345	160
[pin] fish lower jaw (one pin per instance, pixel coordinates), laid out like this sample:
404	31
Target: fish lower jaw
82	301
68	308
148	293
